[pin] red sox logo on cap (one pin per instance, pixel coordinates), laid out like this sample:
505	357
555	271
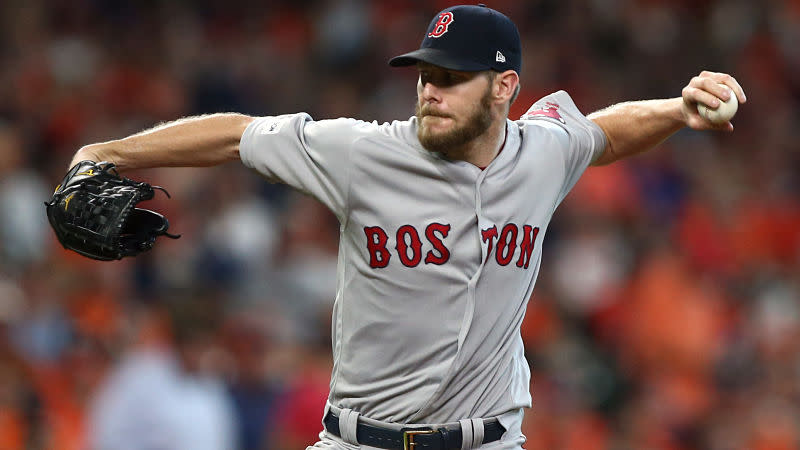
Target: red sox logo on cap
445	19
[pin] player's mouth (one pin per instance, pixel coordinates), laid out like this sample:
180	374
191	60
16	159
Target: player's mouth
429	110
436	123
436	116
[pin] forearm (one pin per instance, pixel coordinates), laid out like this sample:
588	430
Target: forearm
635	127
190	142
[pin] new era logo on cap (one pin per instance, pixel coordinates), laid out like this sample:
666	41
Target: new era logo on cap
469	38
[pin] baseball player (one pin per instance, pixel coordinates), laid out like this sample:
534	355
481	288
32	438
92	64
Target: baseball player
442	221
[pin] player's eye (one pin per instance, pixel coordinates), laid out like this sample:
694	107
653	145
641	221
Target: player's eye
455	78
424	77
441	78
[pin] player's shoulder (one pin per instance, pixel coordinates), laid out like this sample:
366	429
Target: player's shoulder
548	119
394	131
341	128
556	113
551	108
396	134
364	127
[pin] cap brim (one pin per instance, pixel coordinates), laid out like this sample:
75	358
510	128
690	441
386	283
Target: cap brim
437	58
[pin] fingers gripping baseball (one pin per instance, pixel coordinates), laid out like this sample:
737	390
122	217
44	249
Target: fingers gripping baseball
710	100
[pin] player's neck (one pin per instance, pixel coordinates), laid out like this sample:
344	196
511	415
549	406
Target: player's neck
482	150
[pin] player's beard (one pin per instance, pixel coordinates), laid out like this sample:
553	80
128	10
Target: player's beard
450	142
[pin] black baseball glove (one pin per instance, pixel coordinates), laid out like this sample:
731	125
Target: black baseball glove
93	212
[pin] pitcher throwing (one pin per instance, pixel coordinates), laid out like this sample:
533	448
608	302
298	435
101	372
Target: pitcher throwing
442	221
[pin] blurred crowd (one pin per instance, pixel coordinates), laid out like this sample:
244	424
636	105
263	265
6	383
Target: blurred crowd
666	315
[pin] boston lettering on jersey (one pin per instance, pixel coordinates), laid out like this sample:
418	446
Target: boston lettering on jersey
409	246
408	241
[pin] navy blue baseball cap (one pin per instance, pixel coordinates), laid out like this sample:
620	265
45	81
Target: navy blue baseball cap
468	38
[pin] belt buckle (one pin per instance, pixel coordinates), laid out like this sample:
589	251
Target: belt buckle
409	435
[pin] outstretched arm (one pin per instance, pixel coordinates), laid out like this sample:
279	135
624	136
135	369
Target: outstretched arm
190	142
635	127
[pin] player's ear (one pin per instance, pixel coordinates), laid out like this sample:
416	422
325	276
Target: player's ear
505	85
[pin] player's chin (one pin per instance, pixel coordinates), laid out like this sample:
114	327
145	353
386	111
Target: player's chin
430	137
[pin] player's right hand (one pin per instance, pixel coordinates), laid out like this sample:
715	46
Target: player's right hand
709	88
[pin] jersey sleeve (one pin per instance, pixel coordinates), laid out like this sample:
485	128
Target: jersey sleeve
310	156
585	140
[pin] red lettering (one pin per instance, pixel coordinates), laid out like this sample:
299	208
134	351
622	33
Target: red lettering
506	244
489	234
409	245
445	19
526	247
415	244
438	245
376	245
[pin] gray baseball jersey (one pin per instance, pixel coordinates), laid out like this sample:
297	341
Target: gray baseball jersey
437	258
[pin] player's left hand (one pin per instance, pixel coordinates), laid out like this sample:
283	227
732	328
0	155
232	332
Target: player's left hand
710	89
93	212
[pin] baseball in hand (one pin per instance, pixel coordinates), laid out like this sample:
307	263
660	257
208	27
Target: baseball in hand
723	113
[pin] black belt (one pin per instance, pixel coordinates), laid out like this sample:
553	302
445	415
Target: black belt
413	438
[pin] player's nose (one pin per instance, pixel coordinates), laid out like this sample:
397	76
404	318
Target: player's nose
429	92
